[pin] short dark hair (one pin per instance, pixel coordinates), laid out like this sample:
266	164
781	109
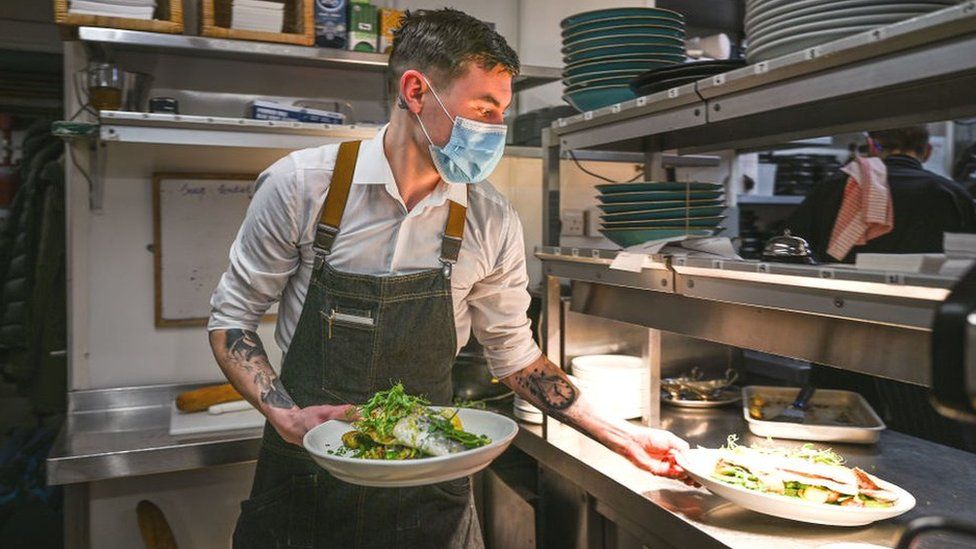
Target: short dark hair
910	138
442	42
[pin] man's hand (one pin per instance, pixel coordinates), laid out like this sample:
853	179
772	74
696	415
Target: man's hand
292	424
546	386
242	358
650	449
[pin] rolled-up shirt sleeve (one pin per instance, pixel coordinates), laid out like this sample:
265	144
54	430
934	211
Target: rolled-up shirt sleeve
498	305
264	254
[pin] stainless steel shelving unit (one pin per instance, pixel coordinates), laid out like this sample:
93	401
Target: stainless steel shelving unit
919	70
242	50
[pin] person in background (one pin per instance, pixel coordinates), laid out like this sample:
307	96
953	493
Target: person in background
925	205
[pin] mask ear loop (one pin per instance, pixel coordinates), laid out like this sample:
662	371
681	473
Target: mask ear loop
439	102
403	103
423	129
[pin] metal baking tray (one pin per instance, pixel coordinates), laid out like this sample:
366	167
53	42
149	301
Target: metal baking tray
833	416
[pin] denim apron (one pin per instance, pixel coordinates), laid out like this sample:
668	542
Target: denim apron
357	334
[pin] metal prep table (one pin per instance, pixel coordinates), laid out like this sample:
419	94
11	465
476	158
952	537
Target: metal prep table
117	433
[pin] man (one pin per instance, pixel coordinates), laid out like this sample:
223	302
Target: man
925	205
385	256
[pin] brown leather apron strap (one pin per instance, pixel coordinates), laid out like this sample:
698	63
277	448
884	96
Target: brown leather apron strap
335	200
453	233
335	204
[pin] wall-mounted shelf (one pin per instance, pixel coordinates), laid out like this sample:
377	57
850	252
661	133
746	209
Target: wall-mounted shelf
242	50
217	131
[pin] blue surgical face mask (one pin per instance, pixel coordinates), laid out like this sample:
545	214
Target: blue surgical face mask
472	152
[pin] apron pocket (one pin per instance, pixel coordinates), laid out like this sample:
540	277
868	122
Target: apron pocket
348	338
281	517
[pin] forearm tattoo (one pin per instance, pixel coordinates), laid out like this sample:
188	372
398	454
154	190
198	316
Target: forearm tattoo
245	350
553	391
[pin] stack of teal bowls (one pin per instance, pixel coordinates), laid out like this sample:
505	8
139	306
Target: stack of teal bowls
604	50
634	213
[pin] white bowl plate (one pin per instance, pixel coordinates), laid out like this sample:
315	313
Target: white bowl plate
412	472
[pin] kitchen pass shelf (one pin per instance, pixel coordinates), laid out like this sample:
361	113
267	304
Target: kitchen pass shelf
243	50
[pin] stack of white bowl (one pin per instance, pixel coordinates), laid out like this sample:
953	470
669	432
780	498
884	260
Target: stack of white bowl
617	385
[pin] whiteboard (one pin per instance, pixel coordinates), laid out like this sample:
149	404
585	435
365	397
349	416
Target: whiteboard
195	220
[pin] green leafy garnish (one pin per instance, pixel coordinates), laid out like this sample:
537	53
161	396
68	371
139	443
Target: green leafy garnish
374	432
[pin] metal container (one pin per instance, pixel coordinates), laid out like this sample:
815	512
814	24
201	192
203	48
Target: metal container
864	426
472	381
787	248
135	90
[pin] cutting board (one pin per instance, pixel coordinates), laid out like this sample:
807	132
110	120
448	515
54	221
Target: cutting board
181	423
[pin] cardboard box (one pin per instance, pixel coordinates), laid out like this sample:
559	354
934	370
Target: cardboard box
389	19
362	27
331	23
260	109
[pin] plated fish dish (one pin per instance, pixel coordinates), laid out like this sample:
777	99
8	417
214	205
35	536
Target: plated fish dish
396	426
805	473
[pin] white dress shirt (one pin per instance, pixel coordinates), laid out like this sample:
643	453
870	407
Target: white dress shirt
271	258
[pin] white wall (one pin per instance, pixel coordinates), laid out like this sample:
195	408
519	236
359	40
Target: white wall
200	506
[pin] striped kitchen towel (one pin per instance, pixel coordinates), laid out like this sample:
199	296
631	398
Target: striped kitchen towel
865	212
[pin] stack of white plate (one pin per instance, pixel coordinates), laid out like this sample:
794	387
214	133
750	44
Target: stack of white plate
780	27
617	385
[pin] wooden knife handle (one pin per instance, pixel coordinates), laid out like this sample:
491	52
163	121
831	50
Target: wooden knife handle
200	399
155	531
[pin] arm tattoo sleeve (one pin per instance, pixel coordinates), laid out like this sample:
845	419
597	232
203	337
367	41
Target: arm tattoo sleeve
244	349
553	391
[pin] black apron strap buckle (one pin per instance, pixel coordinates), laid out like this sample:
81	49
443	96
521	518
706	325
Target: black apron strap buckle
325	236
450	250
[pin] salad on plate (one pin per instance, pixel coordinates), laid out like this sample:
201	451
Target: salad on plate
394	425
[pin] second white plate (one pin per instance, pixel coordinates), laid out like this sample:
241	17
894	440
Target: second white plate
700	464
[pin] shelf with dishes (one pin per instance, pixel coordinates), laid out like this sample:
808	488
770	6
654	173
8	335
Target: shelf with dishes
838	86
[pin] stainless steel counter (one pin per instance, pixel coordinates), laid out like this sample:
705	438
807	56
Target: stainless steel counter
113	433
942	479
124	432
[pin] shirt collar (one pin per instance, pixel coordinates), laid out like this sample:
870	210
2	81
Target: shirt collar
903	161
373	168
